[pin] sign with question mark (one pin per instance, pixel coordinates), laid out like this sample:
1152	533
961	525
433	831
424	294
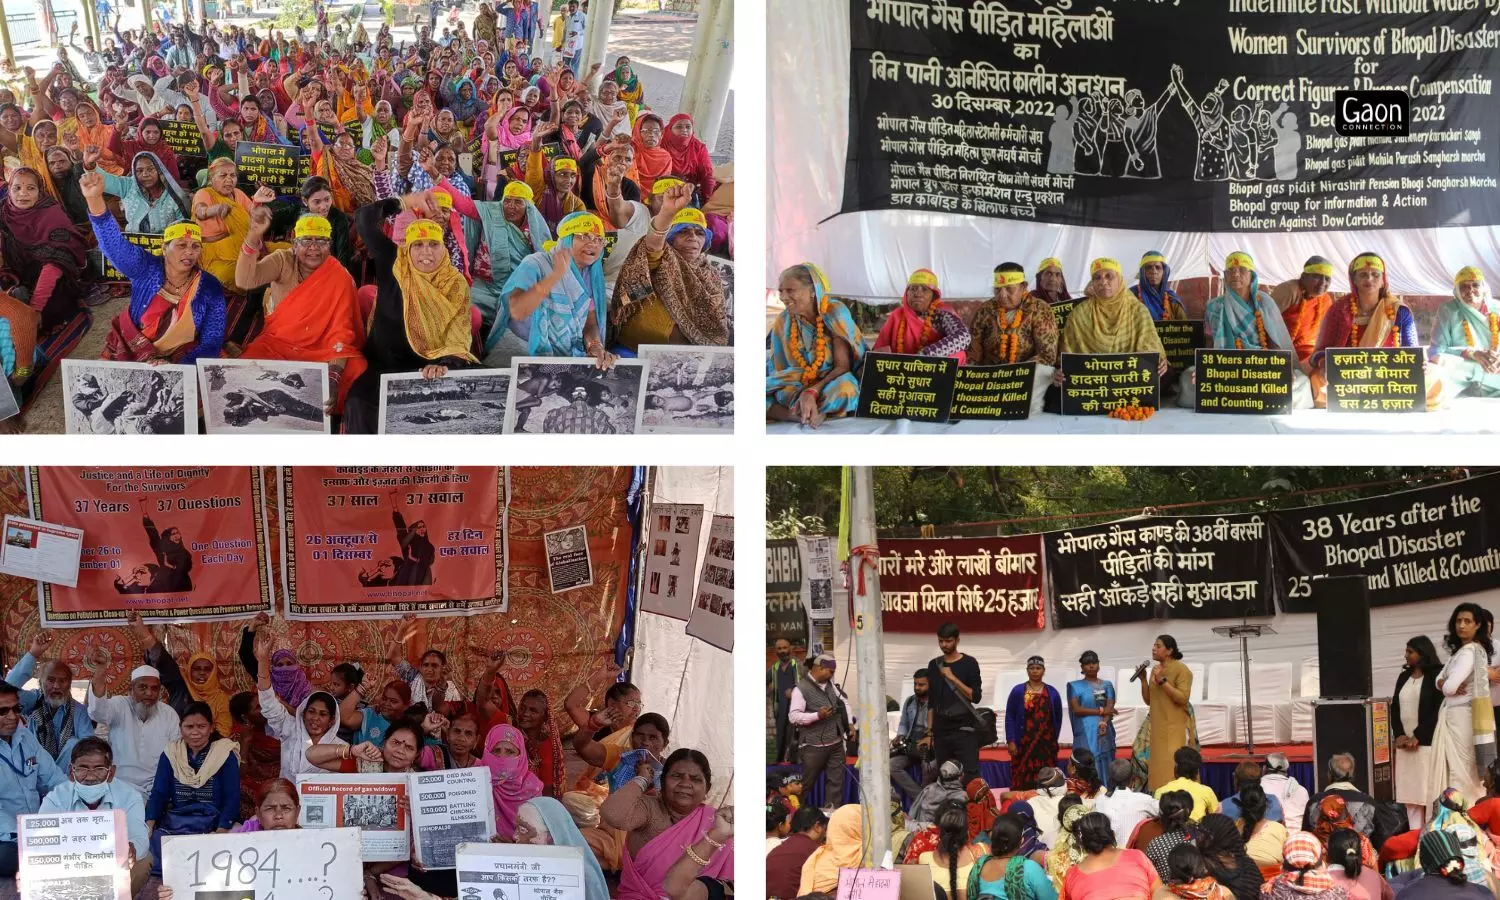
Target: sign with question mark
264	865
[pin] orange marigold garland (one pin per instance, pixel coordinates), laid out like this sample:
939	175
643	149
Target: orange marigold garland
1494	320
820	350
1354	329
1010	334
899	345
1132	413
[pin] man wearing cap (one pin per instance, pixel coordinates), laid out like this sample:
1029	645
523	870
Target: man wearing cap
513	229
311	311
1466	340
57	720
27	772
140	725
1279	783
1304	302
822	721
1015	326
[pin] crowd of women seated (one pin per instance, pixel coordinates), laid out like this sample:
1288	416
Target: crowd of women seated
815	348
464	203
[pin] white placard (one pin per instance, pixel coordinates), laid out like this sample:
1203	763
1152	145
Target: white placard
264	396
817	576
106	397
284	863
370	803
41	551
520	872
10	404
568	562
74	854
672	559
712	617
449	808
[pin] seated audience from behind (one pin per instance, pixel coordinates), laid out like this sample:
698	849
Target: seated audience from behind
1187	764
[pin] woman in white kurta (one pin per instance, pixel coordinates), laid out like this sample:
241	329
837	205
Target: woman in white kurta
1465	739
1416	713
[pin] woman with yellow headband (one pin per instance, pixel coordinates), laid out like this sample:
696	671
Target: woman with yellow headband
554	303
667	293
815	352
923	324
512	229
222	212
1370	315
1155	291
1015	326
1466	341
176	311
1110	320
1051	283
421	320
1303	302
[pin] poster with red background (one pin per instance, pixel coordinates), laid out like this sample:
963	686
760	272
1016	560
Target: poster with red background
980	584
174	544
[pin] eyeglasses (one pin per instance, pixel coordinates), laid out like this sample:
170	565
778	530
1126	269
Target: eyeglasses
101	771
10	710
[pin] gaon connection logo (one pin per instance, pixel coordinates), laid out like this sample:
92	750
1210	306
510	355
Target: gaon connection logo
1382	113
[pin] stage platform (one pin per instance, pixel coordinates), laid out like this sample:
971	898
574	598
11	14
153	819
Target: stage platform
994	767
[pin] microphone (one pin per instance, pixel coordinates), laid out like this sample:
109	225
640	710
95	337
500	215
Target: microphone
1140	671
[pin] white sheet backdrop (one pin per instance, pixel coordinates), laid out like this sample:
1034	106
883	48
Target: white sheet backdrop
687	681
869	255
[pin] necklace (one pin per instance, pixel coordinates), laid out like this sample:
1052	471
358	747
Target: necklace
1010	334
811	369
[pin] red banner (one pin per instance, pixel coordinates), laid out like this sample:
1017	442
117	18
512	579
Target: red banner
373	541
174	544
979	584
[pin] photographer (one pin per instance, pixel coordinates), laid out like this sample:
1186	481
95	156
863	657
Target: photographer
905	748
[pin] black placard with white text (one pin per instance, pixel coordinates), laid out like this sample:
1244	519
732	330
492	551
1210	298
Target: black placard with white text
899	386
994	392
1376	379
1095	384
1247	382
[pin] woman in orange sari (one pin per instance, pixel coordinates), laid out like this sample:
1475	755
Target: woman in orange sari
312	313
923	324
94	133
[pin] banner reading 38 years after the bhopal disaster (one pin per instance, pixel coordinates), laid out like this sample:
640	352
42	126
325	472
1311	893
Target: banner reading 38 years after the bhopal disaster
174	544
1194	567
1179	115
981	584
388	540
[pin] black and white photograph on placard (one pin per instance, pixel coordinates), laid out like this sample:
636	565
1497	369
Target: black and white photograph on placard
817	576
687	389
712	616
568	562
102	397
264	396
465	401
553	396
671	566
725	268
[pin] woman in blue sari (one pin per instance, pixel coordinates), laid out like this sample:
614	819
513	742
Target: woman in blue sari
554	303
1153	290
1091	705
1464	343
814	353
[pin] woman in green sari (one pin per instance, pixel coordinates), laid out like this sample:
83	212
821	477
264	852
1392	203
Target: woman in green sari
1466	340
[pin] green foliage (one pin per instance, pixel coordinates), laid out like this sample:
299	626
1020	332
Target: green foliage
294	13
787	524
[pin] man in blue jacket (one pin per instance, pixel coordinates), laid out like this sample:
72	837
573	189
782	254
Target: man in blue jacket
26	773
54	717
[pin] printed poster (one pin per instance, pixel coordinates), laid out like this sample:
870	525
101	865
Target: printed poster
449	808
817	576
568	563
520	872
324	865
371	803
712	618
174	544
40	551
672	559
383	541
73	855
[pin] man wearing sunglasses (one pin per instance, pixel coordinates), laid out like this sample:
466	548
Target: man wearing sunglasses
93	787
25	771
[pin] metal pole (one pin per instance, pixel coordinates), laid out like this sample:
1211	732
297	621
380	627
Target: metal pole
1249	712
707	91
596	40
869	656
5	35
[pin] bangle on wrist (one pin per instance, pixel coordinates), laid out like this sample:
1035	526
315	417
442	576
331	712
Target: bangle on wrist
700	861
713	843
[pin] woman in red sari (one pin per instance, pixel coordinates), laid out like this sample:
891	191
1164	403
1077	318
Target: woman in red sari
652	160
690	159
42	249
1033	716
923	324
544	750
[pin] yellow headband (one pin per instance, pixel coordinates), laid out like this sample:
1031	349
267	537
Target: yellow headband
1324	269
549	246
662	185
314	227
516	190
923	278
817	274
1050	262
1368	261
567	164
1239	258
691	217
1468	273
445	200
584	224
424	230
1153	258
1006	279
1104	263
178	229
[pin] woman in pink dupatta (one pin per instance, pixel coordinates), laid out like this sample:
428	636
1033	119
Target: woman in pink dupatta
659	826
923	324
511	778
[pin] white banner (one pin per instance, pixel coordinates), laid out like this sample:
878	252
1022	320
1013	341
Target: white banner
520	872
671	559
41	551
712	618
324	865
77	854
371	803
449	808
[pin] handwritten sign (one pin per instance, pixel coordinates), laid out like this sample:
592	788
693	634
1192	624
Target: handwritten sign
869	884
898	386
993	392
273	165
1180	337
183	137
1062	309
74	854
1096	383
108	272
1248	382
283	863
1380	379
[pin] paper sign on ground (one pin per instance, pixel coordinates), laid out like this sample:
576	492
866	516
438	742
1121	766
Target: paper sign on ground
77	854
286	863
712	618
520	872
672	559
41	551
869	884
568	562
449	808
371	803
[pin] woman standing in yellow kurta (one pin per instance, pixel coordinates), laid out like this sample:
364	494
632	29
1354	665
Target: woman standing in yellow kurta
1166	692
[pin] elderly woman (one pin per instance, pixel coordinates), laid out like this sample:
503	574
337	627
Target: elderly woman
222	212
421	319
624	78
554	304
923	324
150	198
667	293
1303	875
42	248
512	229
815	351
176	311
1051	283
1154	290
197	786
350	180
543	821
1245	317
658	827
1466	340
1110	320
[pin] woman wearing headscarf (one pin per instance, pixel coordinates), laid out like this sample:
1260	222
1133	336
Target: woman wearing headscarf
1223	851
1443	871
815	352
203	687
666	293
690	159
1110	320
544	750
1050	283
949	785
65	173
1154	288
631	92
1370	315
42	248
511	780
1033	720
660	828
1032	845
554	303
1303	876
510	230
842	849
93	132
922	324
652	161
421	318
311	722
149	197
546	822
464	103
176	311
352	182
608	115
1067	852
1466	731
1450	815
1416	708
1245	317
1466	339
222	212
288	678
146	138
982	809
33	153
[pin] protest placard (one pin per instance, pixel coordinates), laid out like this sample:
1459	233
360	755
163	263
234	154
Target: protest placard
449	808
73	854
1062	309
41	551
272	165
1180	338
672	559
712	616
1376	379
1097	383
371	803
108	272
1248	382
899	386
287	862
510	158
520	871
993	392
